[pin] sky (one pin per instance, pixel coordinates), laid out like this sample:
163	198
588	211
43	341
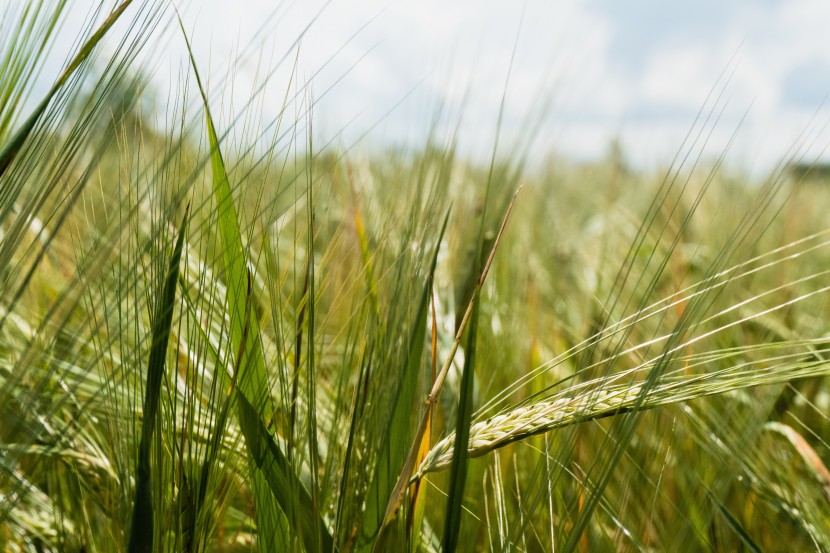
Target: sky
569	76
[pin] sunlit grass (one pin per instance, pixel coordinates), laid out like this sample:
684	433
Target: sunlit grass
639	359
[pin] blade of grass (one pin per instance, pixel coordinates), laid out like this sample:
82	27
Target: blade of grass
734	524
141	531
311	383
252	394
398	434
409	466
30	35
265	453
458	470
358	403
256	385
418	493
219	427
282	481
13	146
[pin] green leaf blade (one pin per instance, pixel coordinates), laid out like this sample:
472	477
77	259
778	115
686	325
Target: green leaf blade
141	531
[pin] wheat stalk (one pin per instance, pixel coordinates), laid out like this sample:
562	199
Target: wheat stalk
570	408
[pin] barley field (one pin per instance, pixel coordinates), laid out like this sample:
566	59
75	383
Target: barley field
220	334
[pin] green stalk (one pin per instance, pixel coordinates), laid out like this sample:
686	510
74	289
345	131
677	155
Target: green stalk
277	491
141	530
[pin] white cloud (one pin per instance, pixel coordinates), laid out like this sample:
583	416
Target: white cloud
641	71
678	77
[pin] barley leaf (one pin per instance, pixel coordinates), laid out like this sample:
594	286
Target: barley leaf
734	524
15	143
458	469
141	531
272	474
400	431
